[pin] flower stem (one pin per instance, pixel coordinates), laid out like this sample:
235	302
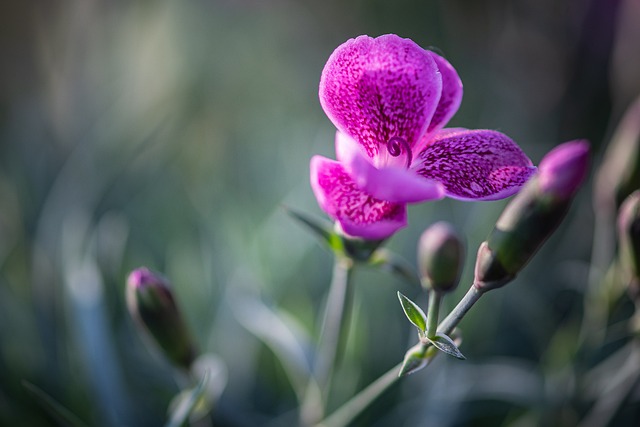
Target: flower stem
435	298
345	414
335	323
332	336
456	315
361	401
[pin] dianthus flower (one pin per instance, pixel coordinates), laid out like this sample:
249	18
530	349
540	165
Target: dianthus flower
390	100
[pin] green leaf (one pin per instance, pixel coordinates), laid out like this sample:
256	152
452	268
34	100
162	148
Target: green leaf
413	313
395	264
411	365
417	358
445	344
280	333
61	414
180	415
322	229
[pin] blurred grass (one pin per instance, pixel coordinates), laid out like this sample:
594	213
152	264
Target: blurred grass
169	134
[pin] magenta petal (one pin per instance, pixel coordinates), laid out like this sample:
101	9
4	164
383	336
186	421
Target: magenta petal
475	164
376	89
358	213
451	96
393	184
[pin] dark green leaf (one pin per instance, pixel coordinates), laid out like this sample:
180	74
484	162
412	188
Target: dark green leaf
61	414
413	313
445	344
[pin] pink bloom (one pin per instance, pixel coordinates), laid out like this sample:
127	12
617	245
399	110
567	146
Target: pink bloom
390	99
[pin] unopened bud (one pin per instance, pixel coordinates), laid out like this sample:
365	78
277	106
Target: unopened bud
629	235
563	169
531	216
440	257
151	303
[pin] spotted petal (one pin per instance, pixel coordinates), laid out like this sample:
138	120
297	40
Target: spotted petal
393	184
374	89
358	213
475	164
451	95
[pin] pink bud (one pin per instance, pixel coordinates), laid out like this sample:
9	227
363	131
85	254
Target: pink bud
564	168
153	307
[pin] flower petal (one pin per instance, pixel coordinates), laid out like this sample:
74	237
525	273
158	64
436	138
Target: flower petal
376	89
358	213
451	95
393	184
475	164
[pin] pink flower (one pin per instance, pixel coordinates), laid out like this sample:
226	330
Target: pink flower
390	100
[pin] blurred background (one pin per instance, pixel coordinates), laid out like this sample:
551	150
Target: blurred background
171	134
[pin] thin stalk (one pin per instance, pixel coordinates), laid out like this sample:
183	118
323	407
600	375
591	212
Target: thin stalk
334	326
468	300
333	333
435	298
354	407
361	401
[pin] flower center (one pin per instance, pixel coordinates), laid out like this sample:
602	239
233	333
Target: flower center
399	147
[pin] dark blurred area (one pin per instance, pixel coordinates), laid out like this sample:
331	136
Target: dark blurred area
171	133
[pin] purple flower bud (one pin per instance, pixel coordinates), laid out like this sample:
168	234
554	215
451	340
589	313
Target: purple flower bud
629	235
564	168
151	303
532	216
440	257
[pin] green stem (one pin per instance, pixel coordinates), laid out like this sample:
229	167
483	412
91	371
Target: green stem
333	334
345	414
335	325
468	300
350	410
435	298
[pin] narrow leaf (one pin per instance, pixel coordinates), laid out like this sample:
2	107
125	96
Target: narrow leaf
281	334
180	415
61	414
445	344
395	264
412	364
320	228
413	313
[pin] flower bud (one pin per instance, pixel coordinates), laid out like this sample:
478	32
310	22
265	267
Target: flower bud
629	236
151	304
563	169
440	257
531	216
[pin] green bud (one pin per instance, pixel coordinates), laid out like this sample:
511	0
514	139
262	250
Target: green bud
531	216
151	303
440	257
629	236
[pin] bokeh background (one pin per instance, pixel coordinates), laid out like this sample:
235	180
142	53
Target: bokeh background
171	134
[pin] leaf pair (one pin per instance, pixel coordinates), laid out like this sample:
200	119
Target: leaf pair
417	317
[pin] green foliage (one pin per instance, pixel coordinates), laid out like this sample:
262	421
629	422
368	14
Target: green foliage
414	313
446	345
